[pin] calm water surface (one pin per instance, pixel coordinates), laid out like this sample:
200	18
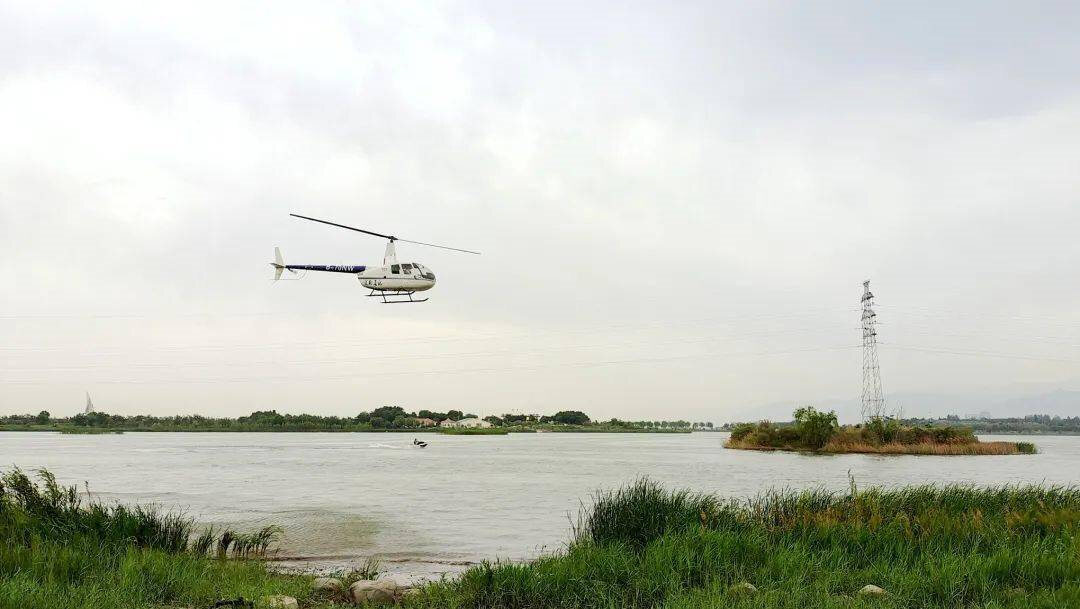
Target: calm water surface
344	497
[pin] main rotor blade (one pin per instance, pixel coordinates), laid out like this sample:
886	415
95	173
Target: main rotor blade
359	230
390	237
456	249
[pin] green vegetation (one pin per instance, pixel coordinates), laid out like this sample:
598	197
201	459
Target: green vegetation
385	418
635	548
926	546
62	552
474	431
819	431
1040	424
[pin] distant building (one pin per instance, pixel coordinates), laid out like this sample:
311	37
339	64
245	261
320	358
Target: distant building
473	423
448	423
422	422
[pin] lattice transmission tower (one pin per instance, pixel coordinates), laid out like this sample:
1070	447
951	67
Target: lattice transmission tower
873	398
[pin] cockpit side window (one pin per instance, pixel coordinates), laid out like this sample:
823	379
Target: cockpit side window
395	269
407	267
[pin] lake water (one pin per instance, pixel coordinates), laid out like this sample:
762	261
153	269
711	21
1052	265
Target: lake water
423	512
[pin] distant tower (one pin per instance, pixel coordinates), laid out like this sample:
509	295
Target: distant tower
873	399
89	404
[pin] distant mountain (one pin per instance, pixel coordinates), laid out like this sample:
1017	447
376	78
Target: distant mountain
1060	402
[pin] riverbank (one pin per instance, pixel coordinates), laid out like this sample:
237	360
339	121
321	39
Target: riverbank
638	547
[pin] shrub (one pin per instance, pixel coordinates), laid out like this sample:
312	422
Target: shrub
641	513
1026	448
814	428
740	431
883	430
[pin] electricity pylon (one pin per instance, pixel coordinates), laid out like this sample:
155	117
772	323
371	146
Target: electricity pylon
873	399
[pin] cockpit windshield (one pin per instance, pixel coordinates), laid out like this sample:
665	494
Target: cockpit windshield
424	272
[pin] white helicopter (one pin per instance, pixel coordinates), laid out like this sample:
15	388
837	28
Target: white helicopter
392	281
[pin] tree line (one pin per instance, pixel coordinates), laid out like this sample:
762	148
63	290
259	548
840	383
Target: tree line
385	417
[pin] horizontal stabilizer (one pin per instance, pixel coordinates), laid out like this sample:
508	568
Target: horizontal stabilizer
278	263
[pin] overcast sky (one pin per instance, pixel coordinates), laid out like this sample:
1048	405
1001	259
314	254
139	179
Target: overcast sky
677	203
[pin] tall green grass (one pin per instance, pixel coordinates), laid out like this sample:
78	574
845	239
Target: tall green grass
62	550
928	546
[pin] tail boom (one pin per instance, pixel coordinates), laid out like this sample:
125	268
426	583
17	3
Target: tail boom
280	266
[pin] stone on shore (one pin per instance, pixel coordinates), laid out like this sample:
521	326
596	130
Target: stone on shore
742	588
871	590
381	591
327	585
280	601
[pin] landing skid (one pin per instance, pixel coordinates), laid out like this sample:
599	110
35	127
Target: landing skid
392	293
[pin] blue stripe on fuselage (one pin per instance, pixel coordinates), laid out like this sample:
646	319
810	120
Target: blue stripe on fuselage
328	269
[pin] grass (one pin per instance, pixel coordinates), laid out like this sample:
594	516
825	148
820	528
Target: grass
61	551
633	548
473	431
927	546
896	448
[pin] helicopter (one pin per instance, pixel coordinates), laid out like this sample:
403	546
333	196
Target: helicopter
394	282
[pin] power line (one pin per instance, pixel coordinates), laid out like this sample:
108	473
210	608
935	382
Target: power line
585	364
978	353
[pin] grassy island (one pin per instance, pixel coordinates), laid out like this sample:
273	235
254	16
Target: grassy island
635	548
819	432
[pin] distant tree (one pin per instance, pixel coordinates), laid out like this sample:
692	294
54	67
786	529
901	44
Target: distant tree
454	415
389	412
571	417
261	418
43	417
494	420
379	422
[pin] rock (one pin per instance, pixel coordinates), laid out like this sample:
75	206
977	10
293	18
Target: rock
280	601
742	588
327	585
871	590
373	591
407	592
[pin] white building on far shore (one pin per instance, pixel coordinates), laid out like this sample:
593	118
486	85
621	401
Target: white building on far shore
471	422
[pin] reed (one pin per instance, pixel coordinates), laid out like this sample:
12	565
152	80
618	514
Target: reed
61	549
925	448
928	546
